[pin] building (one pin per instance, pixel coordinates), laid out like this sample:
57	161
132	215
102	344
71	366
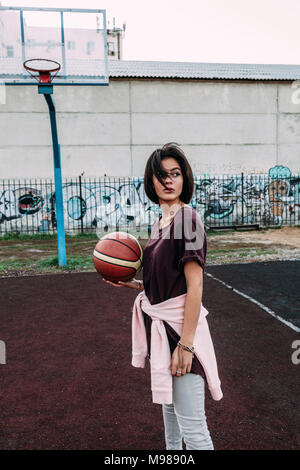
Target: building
115	36
229	118
84	43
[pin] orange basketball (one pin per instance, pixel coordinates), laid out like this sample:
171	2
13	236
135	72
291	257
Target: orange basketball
118	256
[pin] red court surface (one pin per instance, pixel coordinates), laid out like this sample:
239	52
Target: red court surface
68	382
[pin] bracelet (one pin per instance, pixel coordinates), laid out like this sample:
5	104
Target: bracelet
139	283
185	347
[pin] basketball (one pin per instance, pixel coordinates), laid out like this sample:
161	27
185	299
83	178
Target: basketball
118	256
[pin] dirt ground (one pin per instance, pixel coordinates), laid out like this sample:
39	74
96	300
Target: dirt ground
224	247
254	246
289	236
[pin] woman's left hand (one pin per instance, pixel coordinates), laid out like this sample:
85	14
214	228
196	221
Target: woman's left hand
181	362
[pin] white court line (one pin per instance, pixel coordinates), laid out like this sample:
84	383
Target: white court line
266	309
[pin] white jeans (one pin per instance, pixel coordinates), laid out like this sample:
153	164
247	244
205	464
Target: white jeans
185	417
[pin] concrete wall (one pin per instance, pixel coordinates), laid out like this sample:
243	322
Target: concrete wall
225	127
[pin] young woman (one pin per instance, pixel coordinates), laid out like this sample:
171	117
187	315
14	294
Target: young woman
169	321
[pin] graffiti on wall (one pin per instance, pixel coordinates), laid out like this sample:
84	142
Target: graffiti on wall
241	199
89	204
271	199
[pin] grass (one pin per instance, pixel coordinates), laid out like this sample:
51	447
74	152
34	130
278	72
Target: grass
265	252
222	250
77	262
73	262
13	265
15	236
213	233
235	253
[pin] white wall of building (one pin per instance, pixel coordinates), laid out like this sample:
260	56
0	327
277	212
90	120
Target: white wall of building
224	127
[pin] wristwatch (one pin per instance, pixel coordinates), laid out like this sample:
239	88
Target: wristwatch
140	283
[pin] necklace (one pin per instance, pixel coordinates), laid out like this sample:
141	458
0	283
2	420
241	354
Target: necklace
169	218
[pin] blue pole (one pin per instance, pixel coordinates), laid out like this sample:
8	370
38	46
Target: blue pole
47	91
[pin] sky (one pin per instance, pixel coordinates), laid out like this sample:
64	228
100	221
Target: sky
223	31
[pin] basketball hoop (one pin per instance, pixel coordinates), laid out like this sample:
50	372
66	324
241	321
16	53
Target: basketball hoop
44	69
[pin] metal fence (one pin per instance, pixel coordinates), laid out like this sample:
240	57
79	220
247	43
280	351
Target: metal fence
104	204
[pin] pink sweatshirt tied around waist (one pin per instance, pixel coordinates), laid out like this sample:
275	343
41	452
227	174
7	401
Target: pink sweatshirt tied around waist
171	311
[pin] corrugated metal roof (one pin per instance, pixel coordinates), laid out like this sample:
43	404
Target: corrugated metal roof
195	70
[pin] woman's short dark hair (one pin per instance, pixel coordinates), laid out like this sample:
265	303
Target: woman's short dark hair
153	167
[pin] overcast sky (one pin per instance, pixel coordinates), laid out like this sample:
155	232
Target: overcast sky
236	31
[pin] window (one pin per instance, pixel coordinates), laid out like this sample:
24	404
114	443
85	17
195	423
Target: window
90	47
71	45
111	48
9	51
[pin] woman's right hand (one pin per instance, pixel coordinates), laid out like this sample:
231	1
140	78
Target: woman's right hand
133	284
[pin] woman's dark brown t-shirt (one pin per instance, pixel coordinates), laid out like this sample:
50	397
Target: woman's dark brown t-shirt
164	256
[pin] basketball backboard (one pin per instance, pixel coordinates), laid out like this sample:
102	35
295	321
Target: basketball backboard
76	38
